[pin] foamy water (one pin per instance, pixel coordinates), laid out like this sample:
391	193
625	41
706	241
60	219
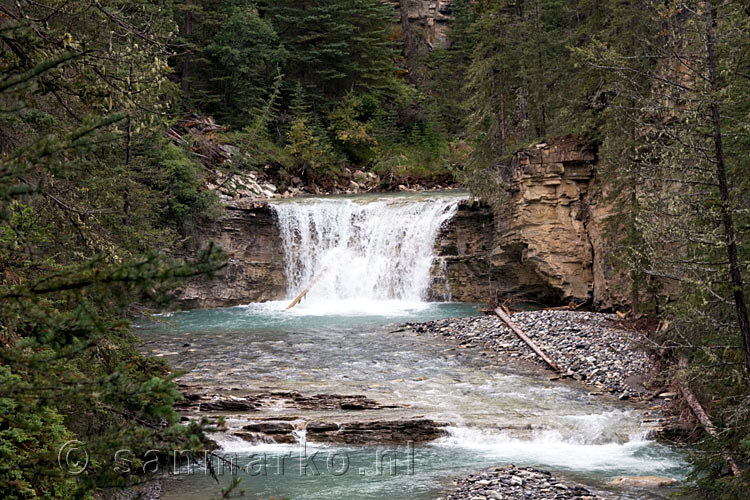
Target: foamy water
356	251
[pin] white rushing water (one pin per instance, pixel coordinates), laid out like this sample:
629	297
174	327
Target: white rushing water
362	251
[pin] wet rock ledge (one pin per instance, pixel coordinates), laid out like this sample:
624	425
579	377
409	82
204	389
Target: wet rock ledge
589	346
206	402
522	483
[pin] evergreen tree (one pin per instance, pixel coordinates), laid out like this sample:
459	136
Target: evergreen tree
617	43
84	94
335	45
234	55
692	217
448	67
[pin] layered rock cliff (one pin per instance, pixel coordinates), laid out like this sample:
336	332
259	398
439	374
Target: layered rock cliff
548	245
255	268
546	223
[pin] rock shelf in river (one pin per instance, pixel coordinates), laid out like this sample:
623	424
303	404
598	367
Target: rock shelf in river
362	432
589	346
287	399
416	430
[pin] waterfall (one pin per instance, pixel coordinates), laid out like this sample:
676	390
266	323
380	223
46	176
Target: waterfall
362	248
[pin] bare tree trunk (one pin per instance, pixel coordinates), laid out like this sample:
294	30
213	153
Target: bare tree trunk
635	278
506	319
185	80
635	275
128	151
129	143
502	123
542	130
410	41
700	413
501	127
726	214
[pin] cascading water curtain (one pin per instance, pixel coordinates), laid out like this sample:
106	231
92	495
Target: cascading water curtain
378	250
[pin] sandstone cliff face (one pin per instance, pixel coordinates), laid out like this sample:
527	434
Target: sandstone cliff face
548	217
255	270
550	243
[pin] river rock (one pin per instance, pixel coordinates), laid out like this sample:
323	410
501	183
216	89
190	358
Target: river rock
264	432
417	430
270	427
292	399
287	399
518	483
400	432
229	403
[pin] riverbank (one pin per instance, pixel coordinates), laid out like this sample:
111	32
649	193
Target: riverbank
590	347
271	184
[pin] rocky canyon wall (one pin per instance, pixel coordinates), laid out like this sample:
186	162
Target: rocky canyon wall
255	268
427	20
548	245
424	26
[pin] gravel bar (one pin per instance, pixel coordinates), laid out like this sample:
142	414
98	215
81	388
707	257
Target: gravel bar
590	347
517	483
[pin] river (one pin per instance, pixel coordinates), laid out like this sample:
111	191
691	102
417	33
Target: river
373	258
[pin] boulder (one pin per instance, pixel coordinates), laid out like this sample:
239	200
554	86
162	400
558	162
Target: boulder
360	177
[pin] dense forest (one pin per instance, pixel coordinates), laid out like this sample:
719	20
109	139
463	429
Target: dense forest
99	203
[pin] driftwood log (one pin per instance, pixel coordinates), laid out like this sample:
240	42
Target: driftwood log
699	412
304	292
506	319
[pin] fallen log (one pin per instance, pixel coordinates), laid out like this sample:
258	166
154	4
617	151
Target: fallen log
700	413
304	292
506	319
571	306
